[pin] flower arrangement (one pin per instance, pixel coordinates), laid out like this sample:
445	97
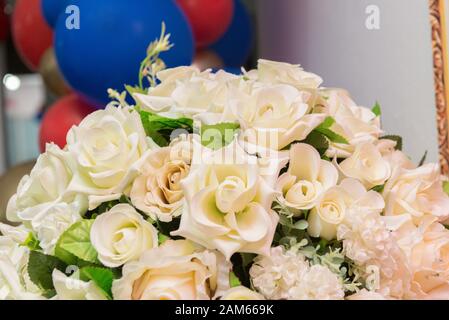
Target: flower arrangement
257	186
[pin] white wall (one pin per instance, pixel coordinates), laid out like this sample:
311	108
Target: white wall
2	109
392	65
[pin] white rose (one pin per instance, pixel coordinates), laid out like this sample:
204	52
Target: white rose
307	178
188	92
396	158
356	124
48	184
177	270
108	145
50	226
121	235
367	165
228	202
71	288
241	293
158	99
273	116
18	234
14	280
157	190
285	73
332	209
418	192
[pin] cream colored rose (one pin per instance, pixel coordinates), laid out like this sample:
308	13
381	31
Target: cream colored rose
122	235
273	116
14	280
158	99
418	192
307	178
157	190
108	145
396	158
48	184
285	73
356	124
427	248
177	270
228	202
333	208
188	92
71	288
367	165
241	293
50	226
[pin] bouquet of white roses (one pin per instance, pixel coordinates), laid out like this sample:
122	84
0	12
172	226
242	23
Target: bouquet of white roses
219	186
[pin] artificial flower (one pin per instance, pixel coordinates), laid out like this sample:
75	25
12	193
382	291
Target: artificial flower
108	146
72	288
47	185
306	179
241	293
122	235
157	190
177	270
228	202
418	192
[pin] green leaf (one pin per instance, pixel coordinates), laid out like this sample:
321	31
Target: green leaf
423	159
377	110
234	281
332	136
218	135
162	238
395	138
327	123
40	269
324	129
31	242
318	141
106	206
160	128
247	259
102	277
74	244
379	188
446	187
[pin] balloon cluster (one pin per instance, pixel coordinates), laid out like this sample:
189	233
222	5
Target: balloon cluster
83	47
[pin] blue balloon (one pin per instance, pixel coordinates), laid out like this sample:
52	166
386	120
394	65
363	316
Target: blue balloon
235	46
52	9
112	39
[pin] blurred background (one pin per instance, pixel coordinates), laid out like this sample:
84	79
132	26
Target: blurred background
58	57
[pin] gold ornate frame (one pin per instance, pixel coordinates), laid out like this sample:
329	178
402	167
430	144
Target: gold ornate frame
441	76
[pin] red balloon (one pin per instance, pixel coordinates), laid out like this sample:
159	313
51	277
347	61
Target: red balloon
31	33
210	19
4	23
58	120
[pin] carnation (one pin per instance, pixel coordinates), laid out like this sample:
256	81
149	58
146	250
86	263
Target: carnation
286	274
